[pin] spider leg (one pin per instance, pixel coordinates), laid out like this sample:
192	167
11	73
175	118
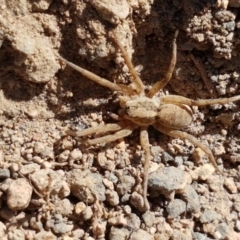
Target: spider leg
113	137
136	79
144	140
175	99
98	129
179	134
101	81
162	83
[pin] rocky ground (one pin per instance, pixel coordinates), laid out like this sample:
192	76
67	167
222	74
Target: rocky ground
51	186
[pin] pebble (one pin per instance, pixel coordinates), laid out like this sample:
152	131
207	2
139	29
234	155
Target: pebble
137	201
64	207
183	235
7	213
29	168
119	233
149	218
39	147
155	151
237	225
46	180
19	194
75	154
119	220
230	185
203	172
178	160
133	222
223	229
86	185
63	157
44	235
4	173
199	236
167	157
99	228
16	234
2	229
166	180
209	216
87	213
114	11
112	197
191	197
175	208
141	234
62	228
125	184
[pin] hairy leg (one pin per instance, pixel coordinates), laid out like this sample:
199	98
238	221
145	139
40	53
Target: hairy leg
101	81
99	129
144	140
136	79
175	99
179	134
162	83
113	137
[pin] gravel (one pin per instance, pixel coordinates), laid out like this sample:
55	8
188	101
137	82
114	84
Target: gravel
55	186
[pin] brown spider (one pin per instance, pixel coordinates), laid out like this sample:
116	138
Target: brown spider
139	108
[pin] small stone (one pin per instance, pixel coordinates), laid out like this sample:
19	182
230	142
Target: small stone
86	185
99	228
7	214
133	222
223	229
137	201
63	157
44	235
166	180
119	233
62	228
4	173
112	197
112	12
149	218
29	168
199	236
87	213
230	185
19	194
78	233
16	234
141	234
64	207
178	160
46	180
119	220
175	208
203	172
125	185
79	207
191	197
2	229
75	154
237	225
167	157
38	147
209	216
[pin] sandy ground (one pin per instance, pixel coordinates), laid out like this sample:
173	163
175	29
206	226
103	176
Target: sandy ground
51	186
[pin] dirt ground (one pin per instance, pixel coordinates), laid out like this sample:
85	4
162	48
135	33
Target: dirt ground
54	187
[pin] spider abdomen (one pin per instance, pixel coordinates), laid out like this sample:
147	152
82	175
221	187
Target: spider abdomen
175	116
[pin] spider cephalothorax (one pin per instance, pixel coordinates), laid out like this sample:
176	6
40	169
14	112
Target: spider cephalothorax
167	114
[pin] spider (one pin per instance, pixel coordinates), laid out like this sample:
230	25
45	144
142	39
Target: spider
141	108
